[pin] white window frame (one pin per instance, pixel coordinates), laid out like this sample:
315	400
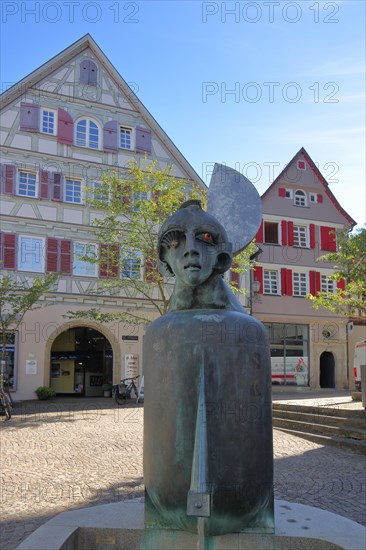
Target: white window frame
300	198
271	282
87	142
132	256
328	285
67	182
301	236
313	198
289	193
300	284
83	268
45	110
19	183
126	129
37	249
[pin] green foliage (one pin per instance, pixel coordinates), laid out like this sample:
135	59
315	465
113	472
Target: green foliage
130	224
44	392
16	298
349	263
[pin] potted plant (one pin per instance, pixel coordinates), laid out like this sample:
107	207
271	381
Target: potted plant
107	389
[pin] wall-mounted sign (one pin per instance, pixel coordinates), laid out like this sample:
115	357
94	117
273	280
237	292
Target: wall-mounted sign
130	338
131	365
31	366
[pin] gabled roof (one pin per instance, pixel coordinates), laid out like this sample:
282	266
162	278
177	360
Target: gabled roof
18	89
321	180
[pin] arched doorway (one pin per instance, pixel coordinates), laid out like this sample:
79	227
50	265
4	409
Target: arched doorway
81	362
327	370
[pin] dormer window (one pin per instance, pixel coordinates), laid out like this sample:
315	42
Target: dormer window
299	198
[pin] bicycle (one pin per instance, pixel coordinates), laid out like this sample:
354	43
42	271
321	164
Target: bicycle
122	391
6	403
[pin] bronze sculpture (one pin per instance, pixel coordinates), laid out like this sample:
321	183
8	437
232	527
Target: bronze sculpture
207	428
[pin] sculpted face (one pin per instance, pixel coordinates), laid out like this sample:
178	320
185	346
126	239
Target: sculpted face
192	246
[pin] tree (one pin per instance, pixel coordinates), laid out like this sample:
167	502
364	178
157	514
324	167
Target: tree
133	210
16	298
350	265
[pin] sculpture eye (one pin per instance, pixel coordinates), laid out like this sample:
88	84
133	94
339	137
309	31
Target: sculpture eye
206	237
172	239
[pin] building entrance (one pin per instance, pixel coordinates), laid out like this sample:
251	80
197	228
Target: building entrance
327	370
81	362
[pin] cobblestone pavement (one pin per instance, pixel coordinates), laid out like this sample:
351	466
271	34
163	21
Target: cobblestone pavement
72	453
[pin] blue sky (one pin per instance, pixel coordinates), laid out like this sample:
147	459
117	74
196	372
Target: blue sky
241	83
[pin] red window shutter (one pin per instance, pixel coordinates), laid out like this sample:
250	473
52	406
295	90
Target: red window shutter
150	268
155	195
109	261
110	136
65	127
312	235
328	238
65	260
317	281
342	285
258	276
9	187
290	228
143	140
312	283
8	251
319	198
52	255
284	232
44	192
289	282
56	194
259	235
84	71
282	192
29	117
126	196
93	73
283	282
234	277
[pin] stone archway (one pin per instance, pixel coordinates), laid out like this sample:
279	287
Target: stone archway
105	370
327	370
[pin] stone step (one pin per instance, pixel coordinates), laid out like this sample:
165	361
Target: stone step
353	445
326	411
316	418
344	431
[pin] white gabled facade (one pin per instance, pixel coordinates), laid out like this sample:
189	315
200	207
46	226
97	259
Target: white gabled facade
62	127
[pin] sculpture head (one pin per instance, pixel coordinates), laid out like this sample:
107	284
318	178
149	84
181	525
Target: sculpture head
193	245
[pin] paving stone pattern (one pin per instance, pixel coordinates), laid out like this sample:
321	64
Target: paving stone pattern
73	453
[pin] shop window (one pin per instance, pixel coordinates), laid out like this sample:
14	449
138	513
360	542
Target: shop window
289	346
